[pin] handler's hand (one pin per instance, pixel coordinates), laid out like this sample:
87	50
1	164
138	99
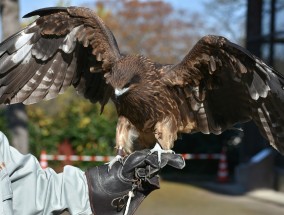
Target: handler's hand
122	189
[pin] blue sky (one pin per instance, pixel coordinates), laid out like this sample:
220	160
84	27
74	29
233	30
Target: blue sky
27	6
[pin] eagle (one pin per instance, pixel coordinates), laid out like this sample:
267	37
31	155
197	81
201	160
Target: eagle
215	86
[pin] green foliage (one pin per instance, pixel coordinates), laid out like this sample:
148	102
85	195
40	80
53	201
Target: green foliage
76	119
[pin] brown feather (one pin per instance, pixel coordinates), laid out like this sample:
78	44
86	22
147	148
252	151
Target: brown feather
215	86
57	32
237	87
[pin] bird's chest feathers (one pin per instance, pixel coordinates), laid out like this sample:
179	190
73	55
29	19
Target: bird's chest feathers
145	107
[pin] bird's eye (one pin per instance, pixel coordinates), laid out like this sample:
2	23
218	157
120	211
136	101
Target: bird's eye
126	85
134	80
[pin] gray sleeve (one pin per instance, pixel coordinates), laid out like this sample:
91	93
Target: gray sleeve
28	189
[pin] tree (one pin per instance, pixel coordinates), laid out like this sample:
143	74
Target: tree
74	118
152	28
227	17
16	114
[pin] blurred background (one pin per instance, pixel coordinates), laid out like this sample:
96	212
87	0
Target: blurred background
164	31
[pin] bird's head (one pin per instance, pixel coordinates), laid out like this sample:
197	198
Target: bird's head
127	74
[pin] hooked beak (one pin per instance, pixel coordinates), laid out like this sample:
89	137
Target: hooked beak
119	92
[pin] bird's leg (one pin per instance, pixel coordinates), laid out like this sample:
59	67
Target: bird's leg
125	134
157	148
165	134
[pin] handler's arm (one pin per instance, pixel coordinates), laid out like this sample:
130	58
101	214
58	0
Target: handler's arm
25	188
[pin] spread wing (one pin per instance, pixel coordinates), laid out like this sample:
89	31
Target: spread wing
63	47
223	84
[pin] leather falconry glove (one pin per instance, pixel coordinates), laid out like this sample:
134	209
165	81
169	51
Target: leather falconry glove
121	190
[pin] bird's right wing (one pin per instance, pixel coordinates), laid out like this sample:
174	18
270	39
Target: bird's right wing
63	47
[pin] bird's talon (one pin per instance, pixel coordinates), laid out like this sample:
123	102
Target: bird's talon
117	158
157	148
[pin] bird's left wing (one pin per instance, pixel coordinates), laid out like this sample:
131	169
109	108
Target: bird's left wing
63	47
223	84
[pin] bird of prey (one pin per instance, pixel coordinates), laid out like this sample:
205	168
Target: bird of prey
215	86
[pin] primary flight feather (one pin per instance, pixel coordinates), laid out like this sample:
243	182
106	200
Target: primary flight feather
215	86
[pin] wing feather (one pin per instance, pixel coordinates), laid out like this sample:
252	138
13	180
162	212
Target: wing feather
63	47
235	87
